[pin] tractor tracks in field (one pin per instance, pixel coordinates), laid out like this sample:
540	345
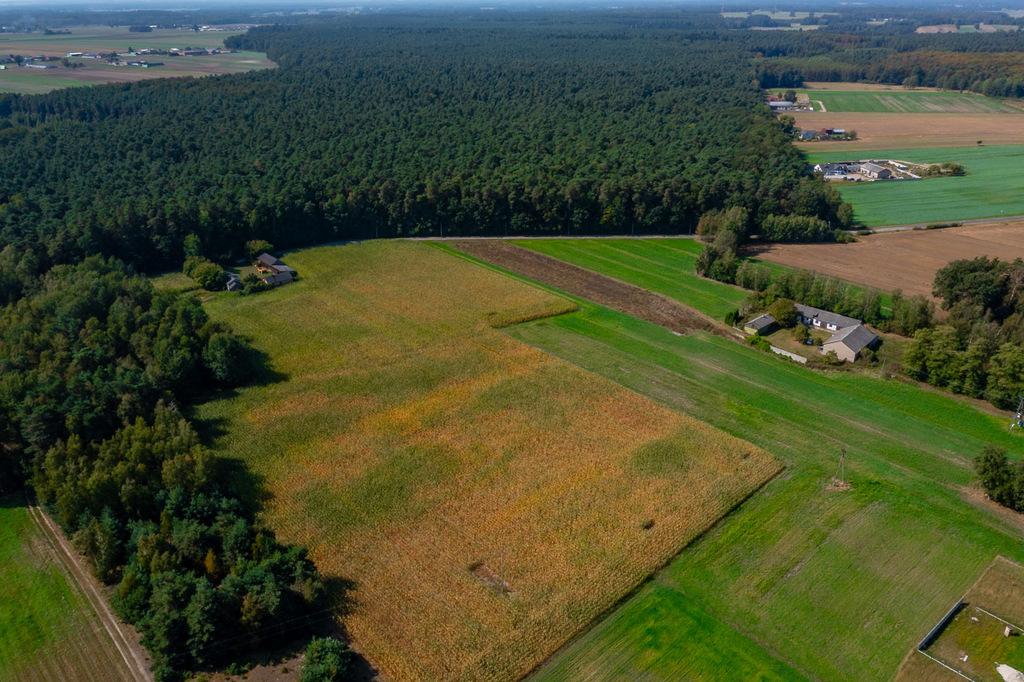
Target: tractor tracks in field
125	641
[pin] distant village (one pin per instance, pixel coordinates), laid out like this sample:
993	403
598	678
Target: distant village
141	58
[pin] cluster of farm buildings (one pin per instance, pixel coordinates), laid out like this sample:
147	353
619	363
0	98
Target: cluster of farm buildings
826	134
802	102
850	337
129	58
869	170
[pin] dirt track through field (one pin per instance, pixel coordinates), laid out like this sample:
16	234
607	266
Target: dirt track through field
902	260
125	640
601	289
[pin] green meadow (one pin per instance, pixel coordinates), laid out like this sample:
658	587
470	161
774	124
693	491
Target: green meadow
666	266
993	186
807	582
910	102
662	265
48	631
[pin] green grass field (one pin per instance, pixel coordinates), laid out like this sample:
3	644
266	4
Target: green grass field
662	265
910	101
823	582
47	629
828	582
666	266
993	186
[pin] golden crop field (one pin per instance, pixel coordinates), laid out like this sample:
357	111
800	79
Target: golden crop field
487	500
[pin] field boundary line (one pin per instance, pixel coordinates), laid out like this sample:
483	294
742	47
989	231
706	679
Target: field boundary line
1001	620
136	665
947	667
653	577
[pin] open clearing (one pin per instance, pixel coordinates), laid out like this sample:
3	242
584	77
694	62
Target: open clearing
910	101
993	186
48	631
973	642
487	500
901	260
109	39
889	131
821	582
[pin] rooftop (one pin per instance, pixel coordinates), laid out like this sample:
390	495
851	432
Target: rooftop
855	338
826	316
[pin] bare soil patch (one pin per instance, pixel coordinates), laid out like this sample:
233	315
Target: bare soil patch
601	289
902	130
901	260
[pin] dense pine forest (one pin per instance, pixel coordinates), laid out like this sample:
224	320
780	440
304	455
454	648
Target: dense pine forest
405	126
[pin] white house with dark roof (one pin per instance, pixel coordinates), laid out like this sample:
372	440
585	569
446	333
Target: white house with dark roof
849	335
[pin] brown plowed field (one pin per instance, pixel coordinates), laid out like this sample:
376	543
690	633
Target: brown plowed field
901	130
578	281
902	260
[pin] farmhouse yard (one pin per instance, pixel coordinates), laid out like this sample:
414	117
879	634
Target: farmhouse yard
901	260
975	639
408	437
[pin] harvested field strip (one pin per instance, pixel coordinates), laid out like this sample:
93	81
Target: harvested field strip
48	630
488	500
899	131
902	260
665	266
575	280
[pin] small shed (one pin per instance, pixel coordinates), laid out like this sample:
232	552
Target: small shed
762	325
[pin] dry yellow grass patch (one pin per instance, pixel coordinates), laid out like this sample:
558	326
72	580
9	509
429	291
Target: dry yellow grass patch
487	499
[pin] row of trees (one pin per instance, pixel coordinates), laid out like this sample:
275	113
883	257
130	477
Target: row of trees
978	349
403	126
95	370
989	64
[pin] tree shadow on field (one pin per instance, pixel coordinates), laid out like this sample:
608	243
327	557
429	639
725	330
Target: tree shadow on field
284	650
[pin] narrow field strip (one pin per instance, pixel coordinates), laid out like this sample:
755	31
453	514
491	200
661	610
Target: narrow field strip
588	284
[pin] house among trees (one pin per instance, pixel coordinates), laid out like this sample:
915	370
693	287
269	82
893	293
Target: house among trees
850	337
273	270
